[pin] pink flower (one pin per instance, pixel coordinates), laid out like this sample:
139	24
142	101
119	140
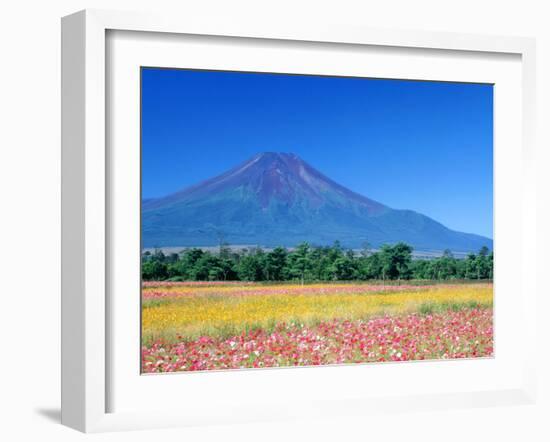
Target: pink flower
462	334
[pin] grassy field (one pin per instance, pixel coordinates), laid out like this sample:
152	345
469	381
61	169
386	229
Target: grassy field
200	326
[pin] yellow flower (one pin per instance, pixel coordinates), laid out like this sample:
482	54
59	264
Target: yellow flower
189	312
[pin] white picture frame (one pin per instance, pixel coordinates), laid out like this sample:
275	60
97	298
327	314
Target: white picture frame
87	207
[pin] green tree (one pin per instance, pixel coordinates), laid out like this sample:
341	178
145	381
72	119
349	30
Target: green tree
343	268
299	261
312	263
470	267
251	266
154	270
370	267
396	261
484	251
275	263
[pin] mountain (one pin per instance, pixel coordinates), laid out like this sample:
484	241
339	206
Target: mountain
278	199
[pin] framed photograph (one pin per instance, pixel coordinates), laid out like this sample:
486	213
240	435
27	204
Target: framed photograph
276	222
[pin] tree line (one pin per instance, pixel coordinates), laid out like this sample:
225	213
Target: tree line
306	263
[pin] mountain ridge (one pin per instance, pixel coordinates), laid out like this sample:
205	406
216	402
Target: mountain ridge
277	198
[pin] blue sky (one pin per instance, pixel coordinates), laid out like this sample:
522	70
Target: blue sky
425	146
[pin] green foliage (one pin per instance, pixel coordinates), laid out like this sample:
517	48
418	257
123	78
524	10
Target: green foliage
307	263
250	268
396	261
275	265
299	262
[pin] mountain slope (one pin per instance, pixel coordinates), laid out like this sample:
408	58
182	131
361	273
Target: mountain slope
278	199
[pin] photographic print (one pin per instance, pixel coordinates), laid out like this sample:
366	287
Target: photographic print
303	220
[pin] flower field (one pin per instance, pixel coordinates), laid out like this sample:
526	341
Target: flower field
212	326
